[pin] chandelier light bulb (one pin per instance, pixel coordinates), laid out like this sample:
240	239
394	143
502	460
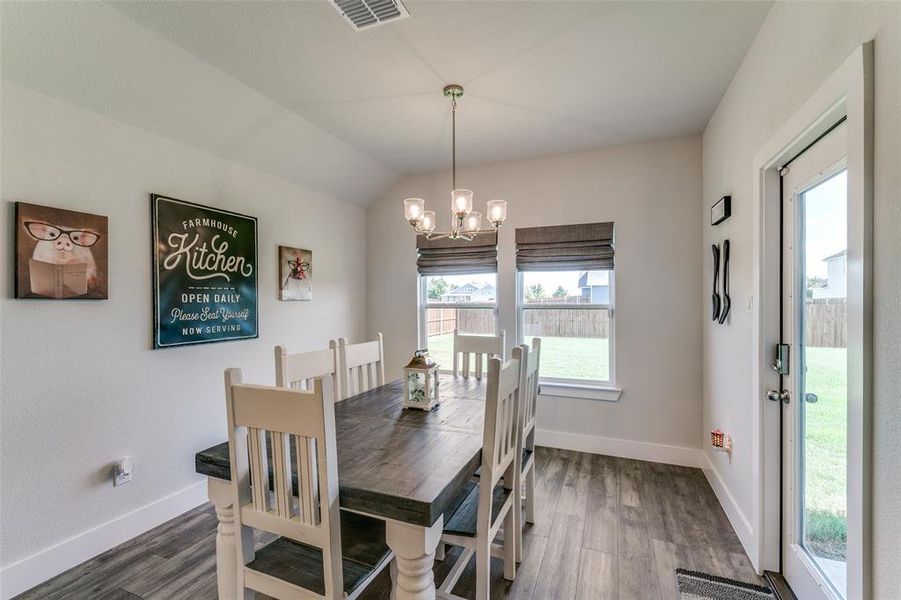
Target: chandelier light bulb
427	222
413	209
497	211
472	222
461	202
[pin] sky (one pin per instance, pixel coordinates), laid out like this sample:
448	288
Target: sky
826	222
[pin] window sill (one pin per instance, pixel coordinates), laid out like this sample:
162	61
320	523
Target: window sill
605	393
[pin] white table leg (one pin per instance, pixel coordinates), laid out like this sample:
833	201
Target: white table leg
414	551
220	494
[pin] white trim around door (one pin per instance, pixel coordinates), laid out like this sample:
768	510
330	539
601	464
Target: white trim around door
847	93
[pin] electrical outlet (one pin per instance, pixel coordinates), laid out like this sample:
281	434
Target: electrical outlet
123	471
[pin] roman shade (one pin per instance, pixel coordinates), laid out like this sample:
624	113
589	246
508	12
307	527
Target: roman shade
584	246
447	256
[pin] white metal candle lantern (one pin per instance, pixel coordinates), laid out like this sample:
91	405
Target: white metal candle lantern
421	382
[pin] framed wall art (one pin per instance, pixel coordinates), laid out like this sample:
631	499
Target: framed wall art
205	283
295	273
60	254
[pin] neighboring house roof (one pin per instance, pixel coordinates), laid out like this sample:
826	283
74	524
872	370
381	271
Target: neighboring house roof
472	290
463	290
592	278
837	255
487	290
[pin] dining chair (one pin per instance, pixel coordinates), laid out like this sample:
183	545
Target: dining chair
528	391
489	504
298	371
479	346
321	552
530	360
362	366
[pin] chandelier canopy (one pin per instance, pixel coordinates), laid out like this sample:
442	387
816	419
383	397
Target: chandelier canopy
466	223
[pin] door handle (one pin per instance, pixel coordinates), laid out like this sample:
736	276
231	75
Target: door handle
776	396
810	398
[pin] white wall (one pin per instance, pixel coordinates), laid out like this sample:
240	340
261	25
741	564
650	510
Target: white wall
80	385
799	46
651	191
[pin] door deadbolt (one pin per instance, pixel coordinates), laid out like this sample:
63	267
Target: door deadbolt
776	396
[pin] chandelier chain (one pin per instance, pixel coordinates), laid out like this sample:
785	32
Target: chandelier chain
453	143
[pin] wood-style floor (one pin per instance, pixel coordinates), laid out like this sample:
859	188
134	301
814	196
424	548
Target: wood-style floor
606	528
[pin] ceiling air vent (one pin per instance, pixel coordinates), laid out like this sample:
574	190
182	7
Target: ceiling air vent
363	14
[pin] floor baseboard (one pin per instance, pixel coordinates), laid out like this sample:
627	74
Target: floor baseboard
740	523
28	572
661	453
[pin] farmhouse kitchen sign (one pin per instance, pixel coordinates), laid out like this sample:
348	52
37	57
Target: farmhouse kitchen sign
205	274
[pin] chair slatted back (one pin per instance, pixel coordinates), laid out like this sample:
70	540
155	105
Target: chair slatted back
298	371
268	429
479	347
362	366
501	445
531	358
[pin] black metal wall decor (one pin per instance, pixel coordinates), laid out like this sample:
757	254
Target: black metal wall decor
716	282
722	303
727	301
721	210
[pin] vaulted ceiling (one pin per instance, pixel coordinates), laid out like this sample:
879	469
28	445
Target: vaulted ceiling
290	88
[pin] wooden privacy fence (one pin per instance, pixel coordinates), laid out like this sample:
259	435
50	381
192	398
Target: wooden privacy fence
441	320
541	322
826	323
577	322
468	320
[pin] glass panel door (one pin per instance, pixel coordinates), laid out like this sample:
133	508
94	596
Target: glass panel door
823	377
815	420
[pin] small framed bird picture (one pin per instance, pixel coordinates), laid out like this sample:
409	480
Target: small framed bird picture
295	268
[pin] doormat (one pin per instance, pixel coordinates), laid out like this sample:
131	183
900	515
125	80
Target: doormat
704	586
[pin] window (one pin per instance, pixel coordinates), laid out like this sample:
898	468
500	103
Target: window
467	303
572	313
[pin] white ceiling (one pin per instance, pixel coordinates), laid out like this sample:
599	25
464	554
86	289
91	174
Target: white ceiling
540	77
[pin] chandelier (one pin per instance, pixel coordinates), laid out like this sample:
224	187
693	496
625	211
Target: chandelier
466	223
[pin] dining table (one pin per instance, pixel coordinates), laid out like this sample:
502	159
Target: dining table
404	466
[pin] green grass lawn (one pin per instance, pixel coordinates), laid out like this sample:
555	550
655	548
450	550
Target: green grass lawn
570	358
825	490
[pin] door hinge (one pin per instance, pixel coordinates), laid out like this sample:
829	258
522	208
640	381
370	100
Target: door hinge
781	363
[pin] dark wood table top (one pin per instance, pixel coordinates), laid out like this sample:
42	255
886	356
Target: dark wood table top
403	464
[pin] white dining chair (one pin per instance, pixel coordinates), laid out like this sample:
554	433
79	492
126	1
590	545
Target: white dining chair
299	370
491	503
306	560
362	366
530	359
479	347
